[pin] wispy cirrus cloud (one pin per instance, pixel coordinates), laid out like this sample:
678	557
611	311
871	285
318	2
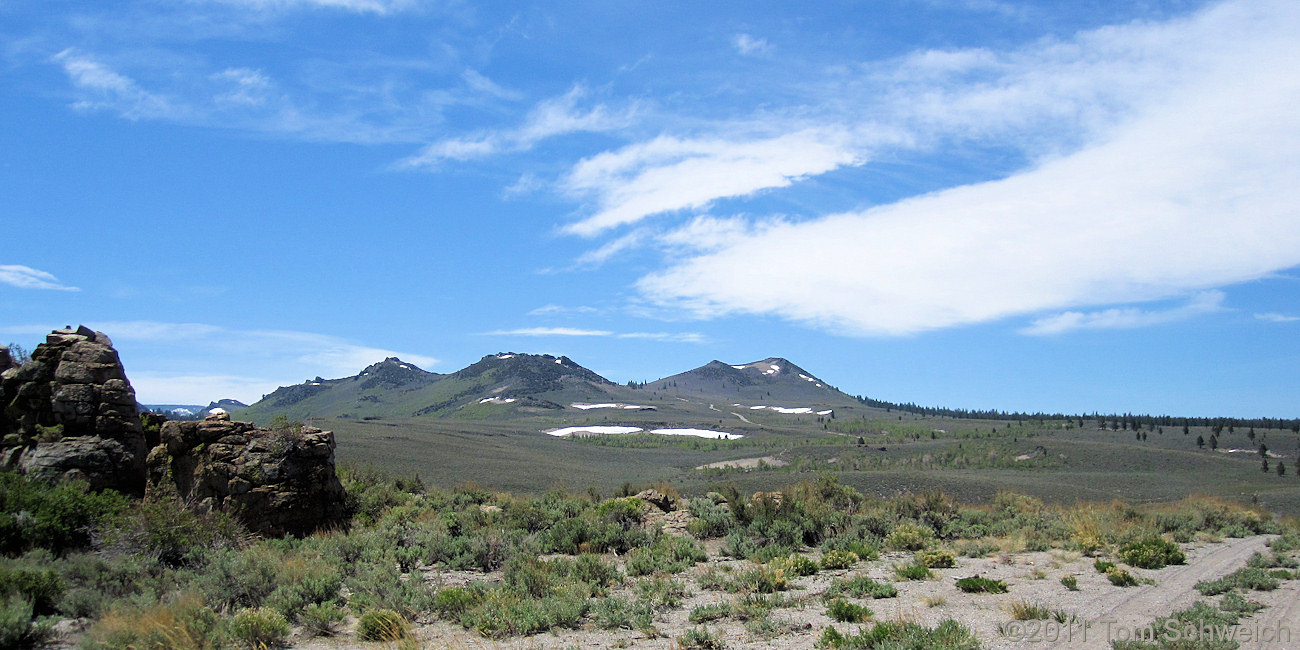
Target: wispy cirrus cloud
381	7
1174	175
1125	318
26	277
550	118
670	174
750	45
671	337
1272	317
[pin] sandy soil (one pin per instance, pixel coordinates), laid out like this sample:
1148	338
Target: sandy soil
746	463
1032	577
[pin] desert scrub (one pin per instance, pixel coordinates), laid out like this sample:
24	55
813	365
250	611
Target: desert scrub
936	559
41	588
763	579
321	619
913	571
1070	582
833	560
259	628
711	519
1023	610
948	635
18	624
1151	553
981	585
860	587
60	518
183	621
909	537
700	638
507	613
668	554
795	566
1120	577
1102	566
382	625
1236	603
977	548
660	591
846	612
614	613
1246	579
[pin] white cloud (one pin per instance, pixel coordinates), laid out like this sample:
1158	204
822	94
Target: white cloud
550	118
1127	318
549	331
358	6
668	174
1182	180
1277	318
553	310
749	45
669	337
26	277
105	88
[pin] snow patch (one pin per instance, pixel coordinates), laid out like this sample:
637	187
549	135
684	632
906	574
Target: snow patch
699	433
629	407
559	362
616	430
402	365
739	367
797	410
497	400
826	412
568	431
505	356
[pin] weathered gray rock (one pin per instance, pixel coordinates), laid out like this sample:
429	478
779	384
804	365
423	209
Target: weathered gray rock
275	482
658	499
71	413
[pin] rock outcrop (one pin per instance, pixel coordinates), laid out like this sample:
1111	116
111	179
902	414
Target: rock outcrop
71	413
275	482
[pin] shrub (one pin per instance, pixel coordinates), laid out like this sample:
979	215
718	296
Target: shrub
1102	566
1236	603
795	566
913	571
1023	610
503	613
1151	553
948	635
710	612
322	619
1120	577
41	588
1070	582
16	622
910	537
839	560
660	591
977	584
763	579
259	627
382	625
861	587
976	548
700	639
60	518
936	559
176	536
618	613
183	622
846	612
452	601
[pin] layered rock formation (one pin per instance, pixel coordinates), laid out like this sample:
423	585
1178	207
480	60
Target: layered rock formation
71	413
276	482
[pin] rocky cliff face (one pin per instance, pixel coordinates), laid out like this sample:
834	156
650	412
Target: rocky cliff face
275	482
71	413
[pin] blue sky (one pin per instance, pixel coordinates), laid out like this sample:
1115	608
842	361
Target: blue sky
1073	207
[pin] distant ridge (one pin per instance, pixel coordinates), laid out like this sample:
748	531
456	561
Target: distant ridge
774	379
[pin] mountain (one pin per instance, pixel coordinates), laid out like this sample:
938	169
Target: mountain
773	382
394	388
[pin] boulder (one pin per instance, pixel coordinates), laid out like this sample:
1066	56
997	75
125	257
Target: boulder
276	482
658	499
71	413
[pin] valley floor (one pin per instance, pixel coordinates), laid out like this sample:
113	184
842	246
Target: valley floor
1109	612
